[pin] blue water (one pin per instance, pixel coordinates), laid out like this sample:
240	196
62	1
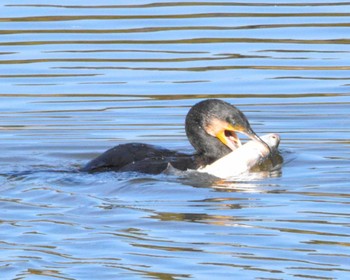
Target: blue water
78	78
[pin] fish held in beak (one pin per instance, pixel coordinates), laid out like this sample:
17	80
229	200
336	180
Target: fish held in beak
253	136
243	159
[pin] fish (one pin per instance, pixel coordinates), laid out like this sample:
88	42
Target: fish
243	159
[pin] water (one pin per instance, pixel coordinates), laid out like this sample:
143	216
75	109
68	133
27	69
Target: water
78	78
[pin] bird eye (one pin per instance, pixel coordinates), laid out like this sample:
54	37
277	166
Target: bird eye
231	120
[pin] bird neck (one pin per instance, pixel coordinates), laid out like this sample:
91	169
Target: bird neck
208	148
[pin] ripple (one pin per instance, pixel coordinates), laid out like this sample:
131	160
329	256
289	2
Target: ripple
77	79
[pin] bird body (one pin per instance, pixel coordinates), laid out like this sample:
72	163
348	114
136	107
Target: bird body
139	157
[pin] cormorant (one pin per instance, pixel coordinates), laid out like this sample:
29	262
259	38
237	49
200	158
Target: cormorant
211	127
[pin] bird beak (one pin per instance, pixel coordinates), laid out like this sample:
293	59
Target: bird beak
229	137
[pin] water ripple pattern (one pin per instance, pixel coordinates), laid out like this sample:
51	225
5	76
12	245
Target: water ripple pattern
78	77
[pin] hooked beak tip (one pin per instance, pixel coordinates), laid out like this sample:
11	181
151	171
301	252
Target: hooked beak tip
252	135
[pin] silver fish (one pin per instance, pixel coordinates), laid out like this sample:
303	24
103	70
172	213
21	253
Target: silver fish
243	159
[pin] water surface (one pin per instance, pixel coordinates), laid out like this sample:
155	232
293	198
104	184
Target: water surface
78	78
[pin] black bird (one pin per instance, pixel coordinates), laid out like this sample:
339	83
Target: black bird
211	127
